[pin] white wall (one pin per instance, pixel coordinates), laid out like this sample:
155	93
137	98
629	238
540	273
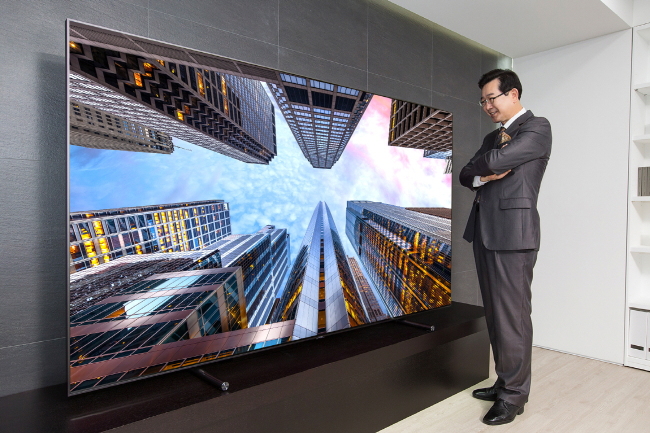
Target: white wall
623	8
641	12
579	284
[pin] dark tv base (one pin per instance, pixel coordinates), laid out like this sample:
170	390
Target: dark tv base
360	381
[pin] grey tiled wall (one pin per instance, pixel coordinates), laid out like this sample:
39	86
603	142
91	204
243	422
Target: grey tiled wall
370	45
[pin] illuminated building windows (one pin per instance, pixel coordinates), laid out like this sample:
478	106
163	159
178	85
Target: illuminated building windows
406	253
141	230
163	90
333	300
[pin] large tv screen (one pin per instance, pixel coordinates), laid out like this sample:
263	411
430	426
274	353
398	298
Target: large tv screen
219	207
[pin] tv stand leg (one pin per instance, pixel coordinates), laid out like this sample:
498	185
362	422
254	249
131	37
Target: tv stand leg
205	376
417	325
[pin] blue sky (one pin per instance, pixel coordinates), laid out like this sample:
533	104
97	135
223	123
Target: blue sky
283	193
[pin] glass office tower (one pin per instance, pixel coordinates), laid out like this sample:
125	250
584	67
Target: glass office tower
224	113
369	299
215	102
164	322
322	116
320	294
406	254
92	285
264	259
97	237
91	127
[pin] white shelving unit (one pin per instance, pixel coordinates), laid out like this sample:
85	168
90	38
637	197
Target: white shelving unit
637	316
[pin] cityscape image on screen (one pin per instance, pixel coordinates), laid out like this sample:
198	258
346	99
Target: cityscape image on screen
218	207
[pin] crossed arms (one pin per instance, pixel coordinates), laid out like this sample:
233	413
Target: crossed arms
533	141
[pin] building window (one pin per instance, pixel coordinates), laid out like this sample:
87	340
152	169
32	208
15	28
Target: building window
321	99
347	91
298	95
293	79
321	85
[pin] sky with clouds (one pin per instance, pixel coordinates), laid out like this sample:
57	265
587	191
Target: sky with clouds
283	193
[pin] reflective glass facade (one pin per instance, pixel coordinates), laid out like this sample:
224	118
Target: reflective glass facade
322	116
320	294
90	127
264	259
97	237
180	354
369	299
406	254
159	310
92	285
228	114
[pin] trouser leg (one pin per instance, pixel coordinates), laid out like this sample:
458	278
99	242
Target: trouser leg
505	278
484	285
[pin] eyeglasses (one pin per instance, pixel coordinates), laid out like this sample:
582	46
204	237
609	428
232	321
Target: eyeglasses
482	102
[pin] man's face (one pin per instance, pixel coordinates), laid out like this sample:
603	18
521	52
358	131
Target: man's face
504	106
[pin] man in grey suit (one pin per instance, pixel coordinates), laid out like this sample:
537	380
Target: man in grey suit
506	174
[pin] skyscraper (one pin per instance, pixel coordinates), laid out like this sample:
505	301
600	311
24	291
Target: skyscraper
98	237
163	322
322	116
228	114
91	127
92	285
320	293
264	259
181	92
406	254
416	126
373	309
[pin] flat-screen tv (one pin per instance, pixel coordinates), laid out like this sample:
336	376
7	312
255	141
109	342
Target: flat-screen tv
217	207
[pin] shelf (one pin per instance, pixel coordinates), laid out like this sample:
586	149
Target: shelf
641	139
643	88
640	304
631	361
638	237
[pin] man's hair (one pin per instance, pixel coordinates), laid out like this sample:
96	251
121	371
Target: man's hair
508	80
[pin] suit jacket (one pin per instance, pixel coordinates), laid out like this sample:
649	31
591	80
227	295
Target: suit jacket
508	214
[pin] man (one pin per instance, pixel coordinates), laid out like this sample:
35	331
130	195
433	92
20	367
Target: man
506	174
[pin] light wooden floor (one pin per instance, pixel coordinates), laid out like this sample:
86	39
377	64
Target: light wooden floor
569	394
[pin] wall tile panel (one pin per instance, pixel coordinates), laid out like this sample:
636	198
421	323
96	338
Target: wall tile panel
384	86
31	366
315	67
256	19
334	30
399	44
170	28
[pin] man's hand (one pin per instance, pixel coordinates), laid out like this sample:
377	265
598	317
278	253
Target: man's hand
494	176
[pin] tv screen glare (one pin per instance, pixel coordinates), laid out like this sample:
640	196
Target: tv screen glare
219	207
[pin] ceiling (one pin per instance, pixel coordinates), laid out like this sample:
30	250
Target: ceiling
518	28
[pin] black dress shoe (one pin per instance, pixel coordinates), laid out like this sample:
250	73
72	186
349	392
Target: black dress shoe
489	394
502	412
